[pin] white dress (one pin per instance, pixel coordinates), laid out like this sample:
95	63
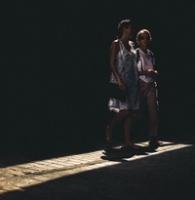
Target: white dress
127	68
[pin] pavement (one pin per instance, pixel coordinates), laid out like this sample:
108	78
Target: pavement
167	173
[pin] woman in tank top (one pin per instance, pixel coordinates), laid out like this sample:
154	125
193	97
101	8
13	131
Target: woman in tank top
124	74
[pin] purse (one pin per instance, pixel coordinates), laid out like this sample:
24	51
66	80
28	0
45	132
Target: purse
116	92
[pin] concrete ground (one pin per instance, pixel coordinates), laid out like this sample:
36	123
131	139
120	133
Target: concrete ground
168	173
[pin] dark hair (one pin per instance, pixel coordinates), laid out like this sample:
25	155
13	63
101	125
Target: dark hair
138	36
123	24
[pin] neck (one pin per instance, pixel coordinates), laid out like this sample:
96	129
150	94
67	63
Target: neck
124	39
144	49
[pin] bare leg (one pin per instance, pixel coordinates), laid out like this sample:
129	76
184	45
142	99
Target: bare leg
118	117
127	131
153	119
153	113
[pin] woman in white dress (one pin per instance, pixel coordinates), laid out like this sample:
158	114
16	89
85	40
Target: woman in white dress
124	74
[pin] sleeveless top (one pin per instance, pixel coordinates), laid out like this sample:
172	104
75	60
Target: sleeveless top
127	68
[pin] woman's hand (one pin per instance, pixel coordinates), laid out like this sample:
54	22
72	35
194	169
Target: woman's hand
151	73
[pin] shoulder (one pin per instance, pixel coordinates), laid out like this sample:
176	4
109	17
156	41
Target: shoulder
132	46
131	43
115	44
150	52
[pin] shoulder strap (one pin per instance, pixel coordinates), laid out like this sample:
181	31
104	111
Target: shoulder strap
137	55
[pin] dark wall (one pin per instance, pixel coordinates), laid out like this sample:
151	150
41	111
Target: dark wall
58	68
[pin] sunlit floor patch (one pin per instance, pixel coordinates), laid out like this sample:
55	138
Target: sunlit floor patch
18	177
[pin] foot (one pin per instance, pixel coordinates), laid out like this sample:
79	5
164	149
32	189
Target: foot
108	146
153	144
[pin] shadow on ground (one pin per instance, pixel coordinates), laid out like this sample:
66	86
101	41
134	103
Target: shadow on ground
164	176
12	156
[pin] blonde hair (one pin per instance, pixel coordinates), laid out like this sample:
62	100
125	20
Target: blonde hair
142	32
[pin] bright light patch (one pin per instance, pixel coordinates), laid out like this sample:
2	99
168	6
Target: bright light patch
18	177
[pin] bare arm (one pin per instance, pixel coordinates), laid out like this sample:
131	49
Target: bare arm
113	61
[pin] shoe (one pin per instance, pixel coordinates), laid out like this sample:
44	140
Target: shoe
153	144
108	147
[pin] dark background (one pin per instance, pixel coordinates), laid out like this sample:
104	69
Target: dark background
57	61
